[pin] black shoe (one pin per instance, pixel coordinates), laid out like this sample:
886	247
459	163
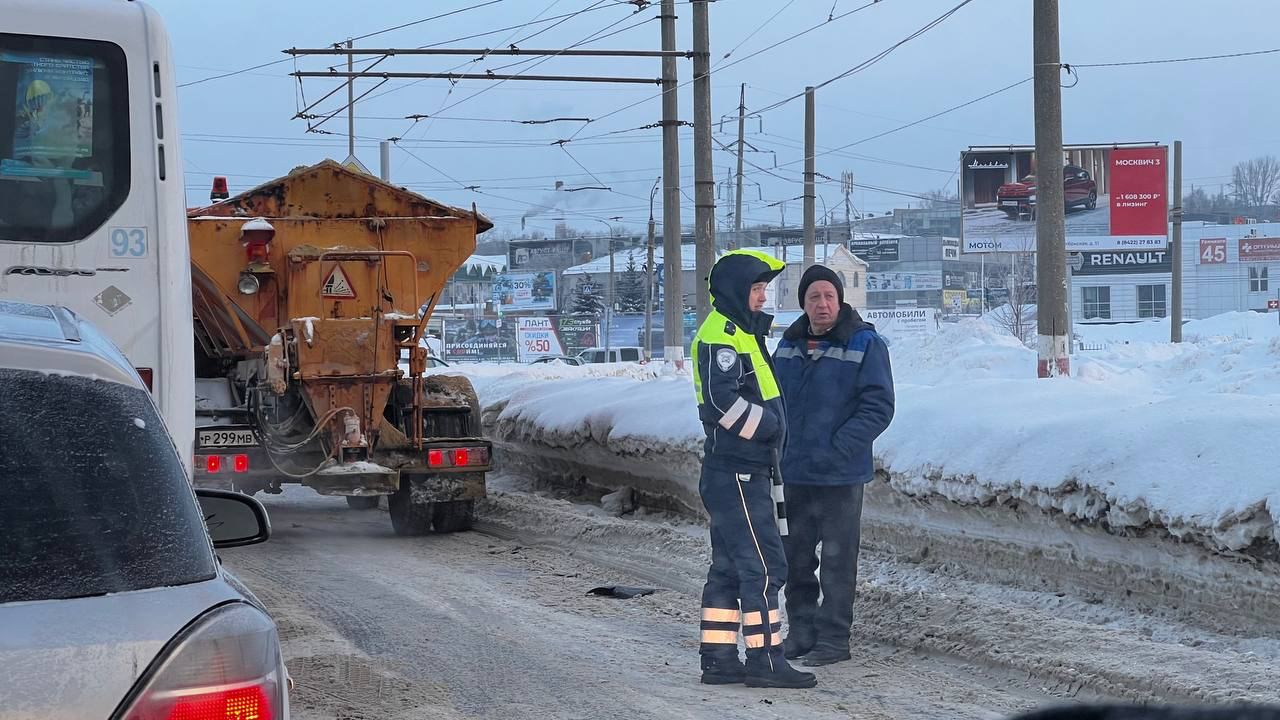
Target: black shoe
796	646
781	675
826	656
723	672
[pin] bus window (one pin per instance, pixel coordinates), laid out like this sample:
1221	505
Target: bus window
64	137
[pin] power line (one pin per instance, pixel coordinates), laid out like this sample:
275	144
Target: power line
724	66
1173	60
233	73
875	58
917	122
762	26
425	20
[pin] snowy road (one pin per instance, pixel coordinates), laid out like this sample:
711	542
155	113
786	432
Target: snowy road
498	624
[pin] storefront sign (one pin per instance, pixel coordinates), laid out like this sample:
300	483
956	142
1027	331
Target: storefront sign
1213	251
1125	263
1259	249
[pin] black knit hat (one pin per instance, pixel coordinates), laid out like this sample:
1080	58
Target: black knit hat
820	272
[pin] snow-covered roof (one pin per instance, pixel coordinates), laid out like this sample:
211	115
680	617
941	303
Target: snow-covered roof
792	254
600	265
482	263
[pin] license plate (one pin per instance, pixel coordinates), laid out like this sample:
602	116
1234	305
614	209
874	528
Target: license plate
1011	203
227	438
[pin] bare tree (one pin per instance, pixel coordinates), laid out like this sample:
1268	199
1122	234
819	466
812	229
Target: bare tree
941	200
1017	315
1256	182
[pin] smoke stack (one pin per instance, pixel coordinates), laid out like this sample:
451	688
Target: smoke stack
219	191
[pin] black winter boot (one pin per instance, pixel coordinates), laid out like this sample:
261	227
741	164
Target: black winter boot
773	671
722	671
797	645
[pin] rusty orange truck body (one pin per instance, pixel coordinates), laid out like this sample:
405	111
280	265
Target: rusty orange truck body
311	295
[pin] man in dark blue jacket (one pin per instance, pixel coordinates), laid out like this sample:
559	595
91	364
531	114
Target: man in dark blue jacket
835	377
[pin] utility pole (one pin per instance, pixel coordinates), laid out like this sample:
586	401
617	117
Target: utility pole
704	192
809	180
351	102
649	289
673	315
1175	319
384	156
846	185
742	149
1051	238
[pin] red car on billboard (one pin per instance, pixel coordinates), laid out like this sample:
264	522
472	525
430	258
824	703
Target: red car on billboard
1018	199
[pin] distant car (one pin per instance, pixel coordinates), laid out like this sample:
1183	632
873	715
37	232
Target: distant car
558	358
1019	198
112	602
594	356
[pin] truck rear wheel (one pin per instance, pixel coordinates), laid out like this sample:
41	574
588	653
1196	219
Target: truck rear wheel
363	502
453	516
408	518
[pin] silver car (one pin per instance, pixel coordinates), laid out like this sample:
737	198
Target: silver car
112	601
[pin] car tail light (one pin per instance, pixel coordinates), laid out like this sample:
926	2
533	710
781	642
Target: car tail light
227	665
147	375
213	464
435	458
461	457
241	463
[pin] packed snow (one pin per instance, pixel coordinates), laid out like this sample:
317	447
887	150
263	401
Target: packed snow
1145	434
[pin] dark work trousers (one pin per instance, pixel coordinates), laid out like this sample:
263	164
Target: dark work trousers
748	568
831	515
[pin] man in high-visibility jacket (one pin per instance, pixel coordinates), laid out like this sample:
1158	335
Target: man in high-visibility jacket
742	413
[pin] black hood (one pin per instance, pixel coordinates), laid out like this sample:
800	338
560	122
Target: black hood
731	281
848	322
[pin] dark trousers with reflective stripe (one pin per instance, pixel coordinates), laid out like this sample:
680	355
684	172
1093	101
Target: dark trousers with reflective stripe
831	516
748	567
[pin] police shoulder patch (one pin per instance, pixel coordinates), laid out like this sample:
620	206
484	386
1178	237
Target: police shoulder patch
726	359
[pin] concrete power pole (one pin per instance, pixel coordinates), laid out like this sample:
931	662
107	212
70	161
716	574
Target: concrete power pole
704	193
1175	315
351	103
742	149
650	295
1051	239
673	309
810	252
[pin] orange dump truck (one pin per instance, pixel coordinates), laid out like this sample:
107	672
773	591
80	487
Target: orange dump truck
312	294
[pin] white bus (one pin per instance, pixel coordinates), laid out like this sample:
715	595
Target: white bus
92	207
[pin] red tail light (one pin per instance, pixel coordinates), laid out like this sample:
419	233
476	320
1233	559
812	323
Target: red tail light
247	702
461	456
213	464
147	375
435	458
227	665
241	463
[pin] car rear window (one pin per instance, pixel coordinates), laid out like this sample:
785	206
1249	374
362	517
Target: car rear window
93	498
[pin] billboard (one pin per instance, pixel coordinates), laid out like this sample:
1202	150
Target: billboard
1116	199
540	255
1259	249
900	281
875	249
1124	262
900	323
536	338
516	292
578	332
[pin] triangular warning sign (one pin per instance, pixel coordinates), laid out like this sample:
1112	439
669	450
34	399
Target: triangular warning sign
337	286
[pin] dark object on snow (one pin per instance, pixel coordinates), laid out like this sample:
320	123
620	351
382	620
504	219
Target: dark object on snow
1120	712
622	592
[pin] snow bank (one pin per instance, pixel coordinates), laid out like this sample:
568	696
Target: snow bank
1146	435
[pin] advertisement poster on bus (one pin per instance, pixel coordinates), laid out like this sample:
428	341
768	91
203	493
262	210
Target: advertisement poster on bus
54	106
518	292
536	338
1116	198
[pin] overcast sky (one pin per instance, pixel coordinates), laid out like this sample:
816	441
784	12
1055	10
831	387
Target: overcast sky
242	126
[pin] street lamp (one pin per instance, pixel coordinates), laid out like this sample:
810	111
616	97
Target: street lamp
648	302
608	311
